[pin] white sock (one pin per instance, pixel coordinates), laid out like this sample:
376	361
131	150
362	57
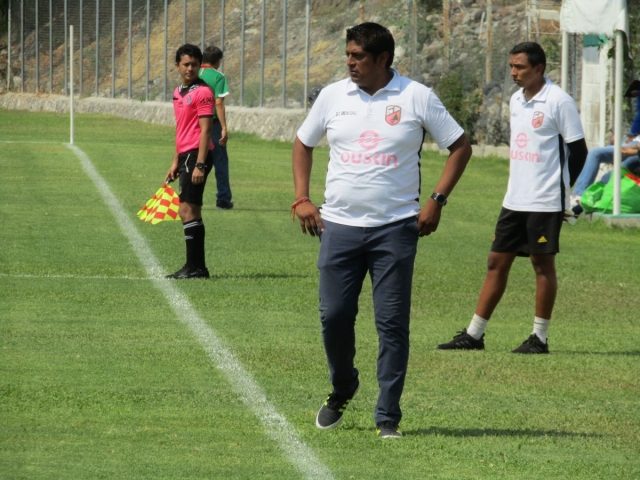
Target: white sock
477	327
540	327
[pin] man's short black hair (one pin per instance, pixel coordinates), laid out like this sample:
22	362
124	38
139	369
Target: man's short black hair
192	51
374	39
535	53
212	55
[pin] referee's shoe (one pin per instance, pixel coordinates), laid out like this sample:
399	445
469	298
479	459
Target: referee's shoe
189	272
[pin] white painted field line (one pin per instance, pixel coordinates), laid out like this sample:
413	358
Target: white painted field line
276	425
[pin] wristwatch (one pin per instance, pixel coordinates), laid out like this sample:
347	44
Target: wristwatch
201	166
439	198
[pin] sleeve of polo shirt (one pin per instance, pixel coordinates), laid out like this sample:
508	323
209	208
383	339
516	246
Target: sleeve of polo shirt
314	126
222	89
568	121
205	102
439	123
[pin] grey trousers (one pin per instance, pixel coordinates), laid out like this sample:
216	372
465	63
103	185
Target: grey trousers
346	255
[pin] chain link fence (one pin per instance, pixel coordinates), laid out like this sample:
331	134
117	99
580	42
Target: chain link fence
278	51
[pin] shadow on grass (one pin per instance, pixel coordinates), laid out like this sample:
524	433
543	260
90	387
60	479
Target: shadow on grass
495	432
258	276
631	353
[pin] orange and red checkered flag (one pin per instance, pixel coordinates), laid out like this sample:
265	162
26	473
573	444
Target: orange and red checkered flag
163	206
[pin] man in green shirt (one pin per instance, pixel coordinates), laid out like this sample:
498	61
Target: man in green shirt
212	57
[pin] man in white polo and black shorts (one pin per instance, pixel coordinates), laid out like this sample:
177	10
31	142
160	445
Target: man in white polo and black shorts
547	154
375	122
193	104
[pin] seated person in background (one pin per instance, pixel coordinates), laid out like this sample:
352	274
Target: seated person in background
596	156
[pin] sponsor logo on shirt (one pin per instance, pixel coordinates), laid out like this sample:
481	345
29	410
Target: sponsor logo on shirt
521	142
538	119
369	140
189	100
347	112
393	114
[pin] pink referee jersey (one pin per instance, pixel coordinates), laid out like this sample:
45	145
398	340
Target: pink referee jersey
189	105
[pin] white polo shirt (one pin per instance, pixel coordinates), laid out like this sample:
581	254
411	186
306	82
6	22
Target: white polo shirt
373	176
540	131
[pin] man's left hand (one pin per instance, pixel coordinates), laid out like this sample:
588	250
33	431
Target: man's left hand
429	218
223	137
197	177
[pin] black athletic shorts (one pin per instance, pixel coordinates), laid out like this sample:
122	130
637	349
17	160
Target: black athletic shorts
189	192
526	233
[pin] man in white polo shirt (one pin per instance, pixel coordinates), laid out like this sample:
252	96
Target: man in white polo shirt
371	219
547	154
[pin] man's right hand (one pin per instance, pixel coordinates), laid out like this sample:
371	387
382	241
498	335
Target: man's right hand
172	174
310	220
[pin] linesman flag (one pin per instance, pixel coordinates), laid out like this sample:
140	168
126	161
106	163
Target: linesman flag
162	206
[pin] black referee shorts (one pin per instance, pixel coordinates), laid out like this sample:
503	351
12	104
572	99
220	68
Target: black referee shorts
526	233
189	192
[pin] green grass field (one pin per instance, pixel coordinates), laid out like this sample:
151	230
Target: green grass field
100	377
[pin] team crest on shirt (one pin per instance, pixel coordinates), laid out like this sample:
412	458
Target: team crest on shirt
189	100
538	118
393	114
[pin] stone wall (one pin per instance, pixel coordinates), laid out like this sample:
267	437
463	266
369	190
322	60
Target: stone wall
268	123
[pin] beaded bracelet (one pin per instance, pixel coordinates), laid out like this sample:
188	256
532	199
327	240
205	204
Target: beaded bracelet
295	204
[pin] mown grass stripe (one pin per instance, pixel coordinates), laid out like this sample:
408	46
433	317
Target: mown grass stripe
276	425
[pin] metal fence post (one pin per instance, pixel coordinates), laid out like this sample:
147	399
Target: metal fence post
184	21
8	44
166	42
202	24
223	8
97	48
284	53
50	46
37	50
146	75
262	39
21	46
113	48
243	22
80	48
129	86
307	41
66	48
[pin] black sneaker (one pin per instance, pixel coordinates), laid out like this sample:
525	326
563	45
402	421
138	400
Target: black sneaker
532	345
330	414
224	205
388	430
463	341
188	272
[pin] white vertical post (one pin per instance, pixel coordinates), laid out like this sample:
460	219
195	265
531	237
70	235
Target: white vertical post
604	76
71	83
564	67
617	128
